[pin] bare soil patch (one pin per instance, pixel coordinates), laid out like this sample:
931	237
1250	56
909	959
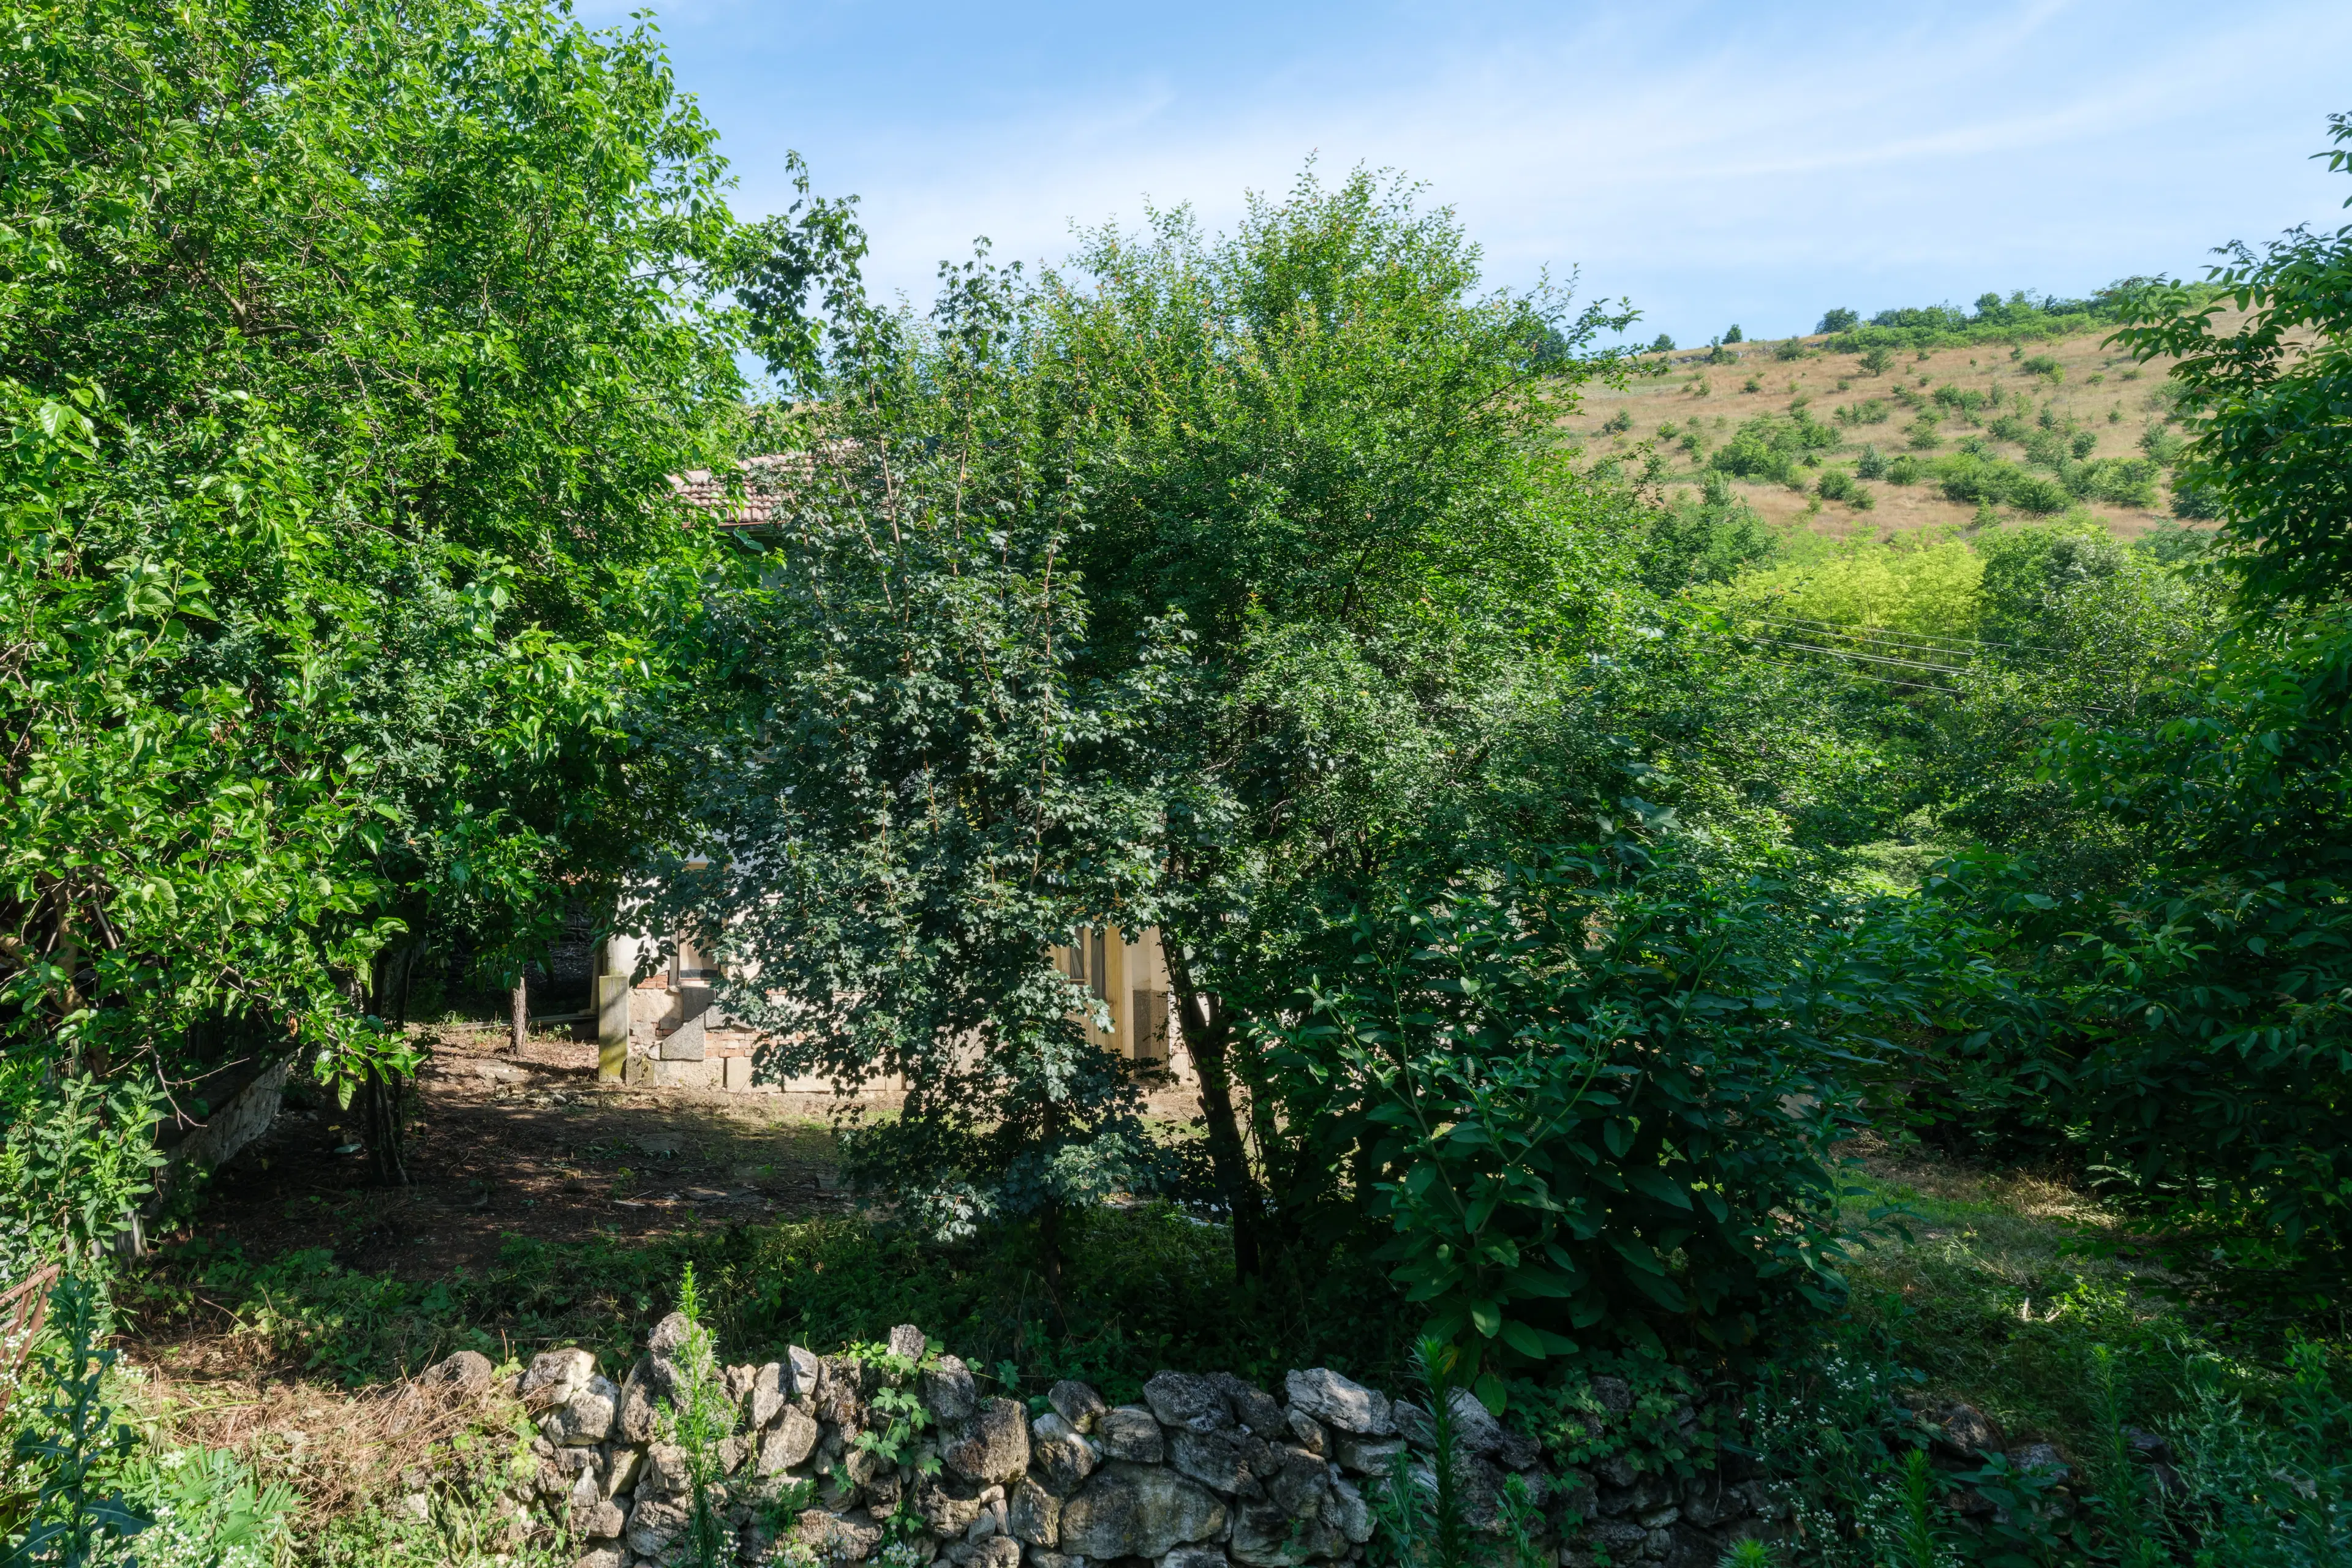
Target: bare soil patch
503	1146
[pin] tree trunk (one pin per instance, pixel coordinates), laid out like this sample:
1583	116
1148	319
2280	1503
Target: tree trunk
378	1104
378	1100
1207	1035
521	1000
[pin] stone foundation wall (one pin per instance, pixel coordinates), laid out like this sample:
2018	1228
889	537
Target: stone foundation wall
1208	1473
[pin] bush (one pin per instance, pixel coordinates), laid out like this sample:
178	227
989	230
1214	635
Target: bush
1870	465
1838	320
1662	344
2162	443
1733	335
2195	502
1836	484
1597	1090
1769	445
2043	365
1869	411
1618	423
1905	471
1789	349
1878	361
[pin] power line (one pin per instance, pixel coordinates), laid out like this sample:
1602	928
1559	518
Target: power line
1884	633
1873	658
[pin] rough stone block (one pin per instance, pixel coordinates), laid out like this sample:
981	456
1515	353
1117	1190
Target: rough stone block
737	1071
685	1075
684	1043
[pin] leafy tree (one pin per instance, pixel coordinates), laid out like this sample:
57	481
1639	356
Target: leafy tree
2266	402
2186	1030
1839	320
1662	344
1318	446
920	793
346	352
1733	334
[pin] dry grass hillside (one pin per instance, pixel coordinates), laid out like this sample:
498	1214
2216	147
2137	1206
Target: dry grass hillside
1679	396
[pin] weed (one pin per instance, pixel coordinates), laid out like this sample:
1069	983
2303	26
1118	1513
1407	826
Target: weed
71	1447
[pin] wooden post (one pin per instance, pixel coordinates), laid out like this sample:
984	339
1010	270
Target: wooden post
521	1010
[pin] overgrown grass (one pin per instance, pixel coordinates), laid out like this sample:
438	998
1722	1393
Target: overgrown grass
1143	1288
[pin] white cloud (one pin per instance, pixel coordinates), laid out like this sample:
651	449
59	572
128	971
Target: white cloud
1707	159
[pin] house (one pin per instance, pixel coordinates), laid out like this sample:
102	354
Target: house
663	1029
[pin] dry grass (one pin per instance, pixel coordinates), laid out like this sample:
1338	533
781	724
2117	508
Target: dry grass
2092	388
339	1450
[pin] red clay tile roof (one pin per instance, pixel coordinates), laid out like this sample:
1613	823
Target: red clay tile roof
762	480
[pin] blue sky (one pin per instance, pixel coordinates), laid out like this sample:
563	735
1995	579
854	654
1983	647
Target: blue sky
1749	162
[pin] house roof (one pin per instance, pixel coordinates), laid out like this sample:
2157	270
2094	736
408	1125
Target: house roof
757	502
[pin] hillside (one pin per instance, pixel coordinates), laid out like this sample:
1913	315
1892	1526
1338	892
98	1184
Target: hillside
2028	428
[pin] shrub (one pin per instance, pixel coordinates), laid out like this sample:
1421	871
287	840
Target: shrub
1839	320
1769	445
1789	349
1618	423
1869	411
1836	484
1752	384
2083	443
1733	335
1877	361
1598	1088
2042	497
1922	434
2162	443
1662	344
2010	428
1870	465
2195	502
2043	365
1905	471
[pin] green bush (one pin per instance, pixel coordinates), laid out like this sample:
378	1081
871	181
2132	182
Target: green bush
1598	1092
2162	443
1733	335
1836	484
1869	411
1789	349
1838	320
1662	344
1905	471
2043	365
1878	361
1770	446
1870	465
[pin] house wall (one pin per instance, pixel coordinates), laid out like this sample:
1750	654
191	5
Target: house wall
663	1031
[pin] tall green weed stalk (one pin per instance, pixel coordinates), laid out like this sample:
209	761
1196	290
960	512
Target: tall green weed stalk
700	1418
72	1446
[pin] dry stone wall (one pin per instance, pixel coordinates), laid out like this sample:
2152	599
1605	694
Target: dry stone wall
1208	1471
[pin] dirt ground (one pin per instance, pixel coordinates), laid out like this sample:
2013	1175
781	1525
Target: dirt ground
534	1146
502	1146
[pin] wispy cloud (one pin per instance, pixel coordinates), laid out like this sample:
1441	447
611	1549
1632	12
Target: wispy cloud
1716	162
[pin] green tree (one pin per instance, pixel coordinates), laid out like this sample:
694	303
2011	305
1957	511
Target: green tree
922	792
2185	1028
2265	403
417	302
